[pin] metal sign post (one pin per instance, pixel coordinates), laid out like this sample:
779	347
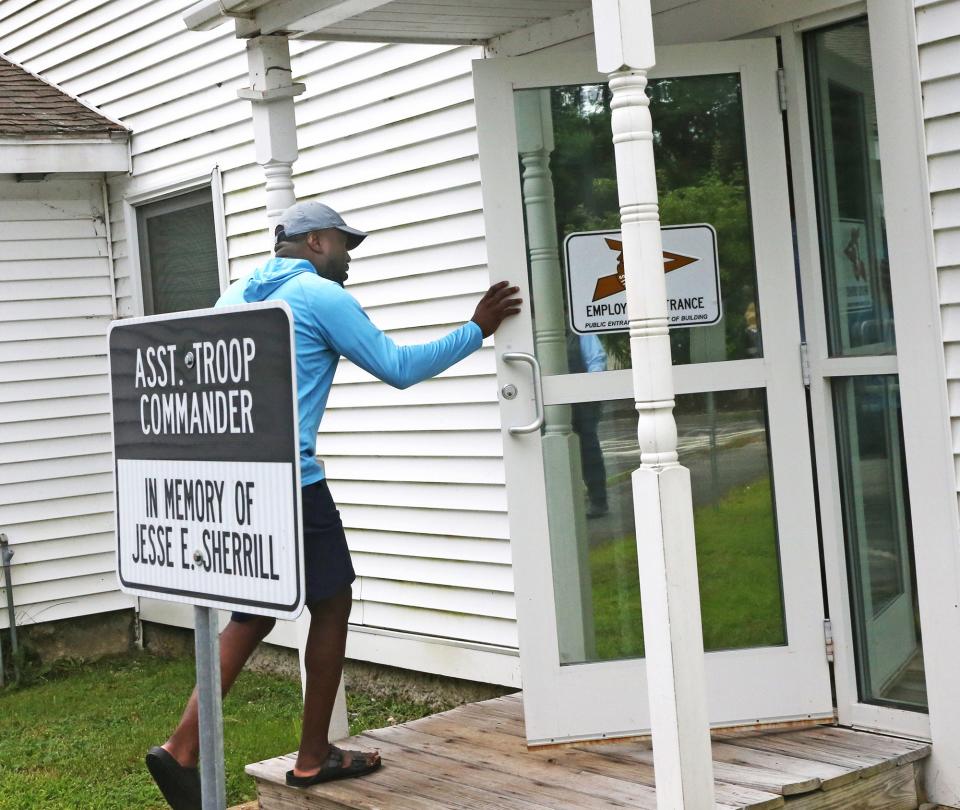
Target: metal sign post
207	644
207	476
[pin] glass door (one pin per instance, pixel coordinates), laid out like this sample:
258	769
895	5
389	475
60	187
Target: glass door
855	389
552	215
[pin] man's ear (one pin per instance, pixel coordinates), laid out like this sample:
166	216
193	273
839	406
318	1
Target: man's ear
315	241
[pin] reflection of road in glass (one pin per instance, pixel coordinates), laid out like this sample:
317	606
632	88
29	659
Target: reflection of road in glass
723	444
732	454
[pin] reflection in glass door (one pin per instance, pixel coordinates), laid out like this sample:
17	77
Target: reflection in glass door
723	442
700	150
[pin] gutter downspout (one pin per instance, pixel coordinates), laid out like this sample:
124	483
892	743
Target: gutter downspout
6	554
109	238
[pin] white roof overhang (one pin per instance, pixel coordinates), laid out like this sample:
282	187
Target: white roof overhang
49	156
425	21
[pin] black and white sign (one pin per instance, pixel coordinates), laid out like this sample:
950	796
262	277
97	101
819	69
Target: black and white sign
596	281
207	458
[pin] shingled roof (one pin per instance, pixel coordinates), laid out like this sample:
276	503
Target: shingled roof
31	108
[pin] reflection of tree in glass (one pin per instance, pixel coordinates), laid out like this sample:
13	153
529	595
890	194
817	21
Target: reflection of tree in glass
701	176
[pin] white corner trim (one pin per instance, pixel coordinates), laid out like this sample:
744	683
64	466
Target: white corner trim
923	389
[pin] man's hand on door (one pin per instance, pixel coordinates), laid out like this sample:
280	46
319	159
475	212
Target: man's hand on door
496	305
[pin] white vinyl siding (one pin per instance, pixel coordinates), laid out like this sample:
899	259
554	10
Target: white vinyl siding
938	37
56	471
387	135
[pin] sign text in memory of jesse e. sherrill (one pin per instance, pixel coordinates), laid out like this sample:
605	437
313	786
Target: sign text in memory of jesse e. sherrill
207	472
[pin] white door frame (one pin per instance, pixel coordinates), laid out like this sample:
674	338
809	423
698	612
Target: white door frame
765	676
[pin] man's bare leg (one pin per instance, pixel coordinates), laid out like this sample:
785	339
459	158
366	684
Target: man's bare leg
323	661
237	643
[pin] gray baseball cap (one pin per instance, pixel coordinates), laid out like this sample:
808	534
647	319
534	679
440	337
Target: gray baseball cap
303	217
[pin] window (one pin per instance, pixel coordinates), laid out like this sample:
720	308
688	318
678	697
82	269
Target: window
856	271
178	253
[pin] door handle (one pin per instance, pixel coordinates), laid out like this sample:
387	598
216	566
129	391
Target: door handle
530	360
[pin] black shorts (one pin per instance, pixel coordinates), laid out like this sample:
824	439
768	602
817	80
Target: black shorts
326	558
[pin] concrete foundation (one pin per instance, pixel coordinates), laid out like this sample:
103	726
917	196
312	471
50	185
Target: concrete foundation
84	638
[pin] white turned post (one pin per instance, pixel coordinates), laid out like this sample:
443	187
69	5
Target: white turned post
560	445
271	93
663	505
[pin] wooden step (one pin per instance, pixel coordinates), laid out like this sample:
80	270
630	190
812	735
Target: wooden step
475	757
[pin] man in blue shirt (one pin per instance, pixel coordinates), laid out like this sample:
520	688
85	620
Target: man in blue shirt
309	271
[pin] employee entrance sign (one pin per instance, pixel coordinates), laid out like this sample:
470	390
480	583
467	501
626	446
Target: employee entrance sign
207	459
596	280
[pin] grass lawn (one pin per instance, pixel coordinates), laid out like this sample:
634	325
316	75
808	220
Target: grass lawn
739	573
77	739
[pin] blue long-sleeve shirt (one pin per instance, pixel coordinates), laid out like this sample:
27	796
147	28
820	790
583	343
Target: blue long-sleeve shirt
328	322
592	353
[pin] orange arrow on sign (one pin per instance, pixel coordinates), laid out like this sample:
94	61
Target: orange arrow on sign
616	283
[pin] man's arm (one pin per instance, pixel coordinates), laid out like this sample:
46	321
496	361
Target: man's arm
348	330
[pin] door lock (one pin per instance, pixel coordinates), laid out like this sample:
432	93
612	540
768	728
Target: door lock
509	391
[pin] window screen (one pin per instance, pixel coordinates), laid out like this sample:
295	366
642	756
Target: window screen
178	253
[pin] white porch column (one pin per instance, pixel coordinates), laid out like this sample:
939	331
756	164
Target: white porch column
661	487
561	447
271	94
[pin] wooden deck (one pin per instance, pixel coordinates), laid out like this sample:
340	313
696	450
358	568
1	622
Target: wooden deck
475	758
